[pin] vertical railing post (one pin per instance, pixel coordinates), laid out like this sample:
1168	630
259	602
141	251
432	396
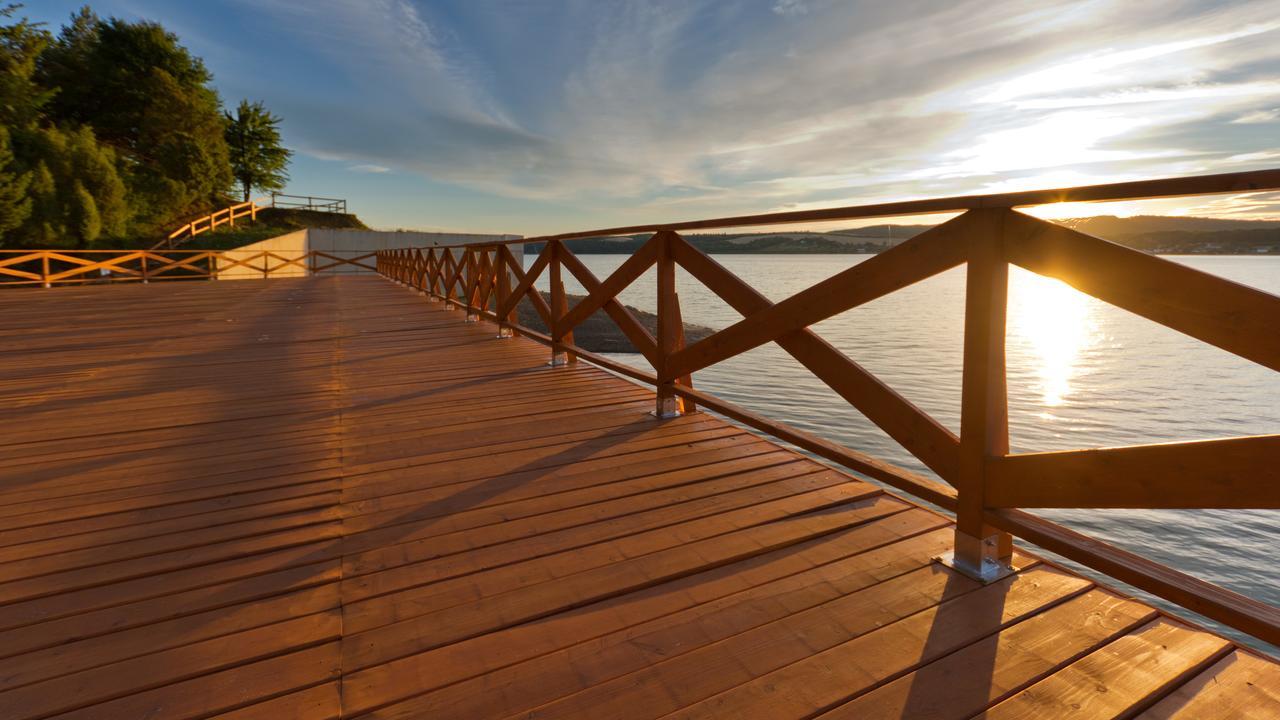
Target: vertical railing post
505	329
981	551
44	269
420	272
670	331
559	308
145	277
472	286
433	274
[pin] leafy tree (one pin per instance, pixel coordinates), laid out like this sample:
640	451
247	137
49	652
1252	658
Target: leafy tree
21	44
257	158
146	96
83	221
15	205
67	166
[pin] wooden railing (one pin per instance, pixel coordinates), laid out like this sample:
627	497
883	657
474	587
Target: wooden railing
307	202
987	487
226	216
78	267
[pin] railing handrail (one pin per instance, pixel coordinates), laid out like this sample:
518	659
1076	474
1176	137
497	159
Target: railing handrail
211	221
71	267
1225	183
987	484
336	205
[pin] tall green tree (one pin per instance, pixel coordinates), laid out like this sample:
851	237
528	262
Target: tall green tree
21	44
15	204
148	97
76	191
258	160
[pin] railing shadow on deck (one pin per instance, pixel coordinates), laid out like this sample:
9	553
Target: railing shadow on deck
987	487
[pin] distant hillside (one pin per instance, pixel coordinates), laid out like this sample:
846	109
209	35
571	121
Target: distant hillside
1150	233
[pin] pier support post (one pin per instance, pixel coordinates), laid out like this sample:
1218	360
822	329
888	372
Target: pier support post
559	308
981	551
670	334
503	278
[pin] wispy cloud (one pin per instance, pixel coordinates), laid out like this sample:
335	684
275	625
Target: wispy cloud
368	168
699	107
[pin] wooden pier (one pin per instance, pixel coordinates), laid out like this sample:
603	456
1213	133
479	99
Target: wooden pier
334	497
327	497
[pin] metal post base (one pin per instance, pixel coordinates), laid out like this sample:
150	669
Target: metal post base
505	333
988	568
558	359
472	318
667	408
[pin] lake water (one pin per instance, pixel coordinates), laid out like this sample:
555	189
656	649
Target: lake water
1081	373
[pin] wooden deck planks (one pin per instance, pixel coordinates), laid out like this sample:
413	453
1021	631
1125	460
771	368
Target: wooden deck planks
330	498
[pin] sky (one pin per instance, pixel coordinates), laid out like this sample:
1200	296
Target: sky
539	116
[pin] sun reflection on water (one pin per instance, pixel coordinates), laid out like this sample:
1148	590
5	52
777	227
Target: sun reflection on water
1052	320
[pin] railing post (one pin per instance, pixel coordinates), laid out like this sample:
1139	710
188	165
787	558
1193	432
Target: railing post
145	278
559	308
472	286
433	274
44	269
505	329
983	552
670	332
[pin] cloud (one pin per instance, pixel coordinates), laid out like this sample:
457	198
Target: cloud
369	168
1258	116
701	107
790	8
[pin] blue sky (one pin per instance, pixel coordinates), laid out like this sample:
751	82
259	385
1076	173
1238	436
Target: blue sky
532	116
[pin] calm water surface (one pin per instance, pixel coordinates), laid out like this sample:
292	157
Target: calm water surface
1081	374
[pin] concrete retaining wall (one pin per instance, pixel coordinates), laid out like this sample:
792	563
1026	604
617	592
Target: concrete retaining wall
289	252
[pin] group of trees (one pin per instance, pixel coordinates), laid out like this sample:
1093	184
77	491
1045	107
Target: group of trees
113	129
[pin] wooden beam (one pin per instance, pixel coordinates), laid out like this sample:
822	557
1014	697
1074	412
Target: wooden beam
1234	317
922	436
923	256
526	279
1225	183
604	295
984	414
1230	608
1232	473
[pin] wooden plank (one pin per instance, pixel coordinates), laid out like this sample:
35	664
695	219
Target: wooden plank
1121	678
1240	686
831	677
531	539
1230	473
543	660
969	680
1226	606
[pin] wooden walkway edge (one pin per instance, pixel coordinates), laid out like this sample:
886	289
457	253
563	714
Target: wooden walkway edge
327	497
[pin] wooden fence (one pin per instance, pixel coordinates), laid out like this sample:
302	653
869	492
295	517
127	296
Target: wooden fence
986	486
307	202
78	267
226	216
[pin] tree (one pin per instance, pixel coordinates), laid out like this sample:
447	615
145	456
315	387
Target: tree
15	205
77	193
146	96
257	158
21	44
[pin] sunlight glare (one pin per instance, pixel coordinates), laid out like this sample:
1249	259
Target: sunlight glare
1052	322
